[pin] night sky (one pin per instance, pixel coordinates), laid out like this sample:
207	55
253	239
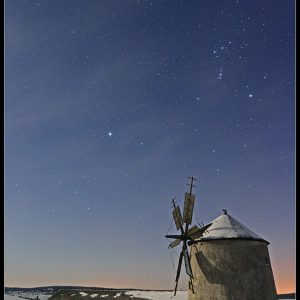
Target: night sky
110	105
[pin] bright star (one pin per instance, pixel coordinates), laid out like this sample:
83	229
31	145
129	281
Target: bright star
110	133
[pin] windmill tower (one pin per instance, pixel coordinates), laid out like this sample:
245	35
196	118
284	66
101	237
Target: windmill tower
227	260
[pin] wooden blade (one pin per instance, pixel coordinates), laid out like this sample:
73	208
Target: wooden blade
177	217
187	262
174	243
178	271
174	236
189	201
194	233
202	229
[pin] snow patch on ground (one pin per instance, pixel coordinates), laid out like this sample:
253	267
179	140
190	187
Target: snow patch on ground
83	293
117	295
156	295
19	295
94	295
11	297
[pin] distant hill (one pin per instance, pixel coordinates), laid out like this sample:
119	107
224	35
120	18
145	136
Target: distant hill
52	288
55	288
287	296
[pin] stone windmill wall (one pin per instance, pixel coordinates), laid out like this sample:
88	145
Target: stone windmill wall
230	262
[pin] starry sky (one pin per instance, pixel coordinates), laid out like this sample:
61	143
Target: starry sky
110	105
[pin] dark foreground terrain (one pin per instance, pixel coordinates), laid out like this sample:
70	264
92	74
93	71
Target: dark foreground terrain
88	293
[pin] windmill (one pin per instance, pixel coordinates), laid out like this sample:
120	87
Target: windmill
182	223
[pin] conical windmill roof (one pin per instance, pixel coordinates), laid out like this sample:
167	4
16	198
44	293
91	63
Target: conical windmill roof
226	227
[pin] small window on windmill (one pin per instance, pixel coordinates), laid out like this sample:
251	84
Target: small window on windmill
267	261
189	201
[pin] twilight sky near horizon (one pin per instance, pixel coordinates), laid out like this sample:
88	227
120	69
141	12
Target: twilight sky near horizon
110	105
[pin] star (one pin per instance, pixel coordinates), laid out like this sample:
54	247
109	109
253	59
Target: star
96	122
220	73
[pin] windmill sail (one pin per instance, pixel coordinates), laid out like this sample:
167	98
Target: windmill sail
203	229
178	271
174	243
189	201
186	233
177	217
187	263
194	232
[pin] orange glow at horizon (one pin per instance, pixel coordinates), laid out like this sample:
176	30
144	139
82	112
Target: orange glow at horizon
285	286
285	276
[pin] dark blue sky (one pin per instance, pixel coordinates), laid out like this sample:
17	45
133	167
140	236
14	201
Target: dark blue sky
110	105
